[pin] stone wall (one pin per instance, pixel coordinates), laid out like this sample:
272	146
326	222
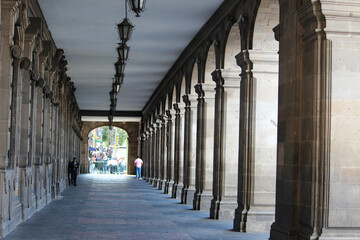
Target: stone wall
39	117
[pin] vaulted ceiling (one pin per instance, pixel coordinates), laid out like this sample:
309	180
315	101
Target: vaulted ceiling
86	30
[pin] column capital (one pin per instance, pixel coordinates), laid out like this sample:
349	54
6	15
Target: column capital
243	61
217	78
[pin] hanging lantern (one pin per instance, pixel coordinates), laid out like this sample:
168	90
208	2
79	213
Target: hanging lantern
125	29
123	52
120	67
112	95
116	87
137	6
119	79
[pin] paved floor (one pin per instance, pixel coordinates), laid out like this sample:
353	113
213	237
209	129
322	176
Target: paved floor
121	207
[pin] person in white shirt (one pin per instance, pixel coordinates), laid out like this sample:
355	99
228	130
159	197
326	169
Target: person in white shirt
138	164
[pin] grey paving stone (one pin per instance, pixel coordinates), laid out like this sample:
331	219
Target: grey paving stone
122	207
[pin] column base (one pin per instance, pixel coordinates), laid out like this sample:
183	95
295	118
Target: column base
257	219
279	232
224	209
176	190
340	234
155	182
151	181
166	187
187	195
202	201
9	225
161	185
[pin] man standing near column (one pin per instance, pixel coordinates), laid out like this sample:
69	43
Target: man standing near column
138	163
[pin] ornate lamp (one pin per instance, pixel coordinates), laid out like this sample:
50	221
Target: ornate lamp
123	51
125	29
137	6
115	87
112	95
120	67
119	79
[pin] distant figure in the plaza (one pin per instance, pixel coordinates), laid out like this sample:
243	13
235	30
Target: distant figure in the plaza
138	163
74	166
105	159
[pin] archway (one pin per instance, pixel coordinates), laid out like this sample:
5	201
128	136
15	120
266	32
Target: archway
108	150
133	131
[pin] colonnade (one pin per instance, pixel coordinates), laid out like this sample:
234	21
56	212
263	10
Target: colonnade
39	117
259	112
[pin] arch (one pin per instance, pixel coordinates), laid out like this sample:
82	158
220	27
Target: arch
232	47
210	65
267	17
183	87
194	77
118	137
132	129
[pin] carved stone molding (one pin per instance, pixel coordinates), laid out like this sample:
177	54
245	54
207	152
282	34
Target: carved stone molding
15	51
34	75
40	83
25	63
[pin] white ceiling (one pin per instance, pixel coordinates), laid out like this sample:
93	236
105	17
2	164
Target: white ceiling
86	30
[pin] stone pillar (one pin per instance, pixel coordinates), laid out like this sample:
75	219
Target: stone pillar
84	153
179	150
163	154
317	167
147	158
157	154
143	153
132	153
205	146
151	154
10	57
262	173
170	150
187	194
225	173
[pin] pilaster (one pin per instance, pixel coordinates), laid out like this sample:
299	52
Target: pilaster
205	145
225	148
170	135
187	194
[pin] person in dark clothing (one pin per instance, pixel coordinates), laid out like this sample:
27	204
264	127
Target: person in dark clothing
74	166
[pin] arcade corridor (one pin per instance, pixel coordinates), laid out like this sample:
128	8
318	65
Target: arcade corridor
121	207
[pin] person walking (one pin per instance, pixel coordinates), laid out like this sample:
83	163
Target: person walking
138	164
74	166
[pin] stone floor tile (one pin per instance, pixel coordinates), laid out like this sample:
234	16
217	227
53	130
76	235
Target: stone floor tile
121	207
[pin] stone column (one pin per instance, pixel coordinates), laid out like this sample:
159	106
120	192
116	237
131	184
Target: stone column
225	145
151	154
170	150
179	150
9	64
163	155
187	194
143	154
205	146
146	159
317	166
132	153
157	133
